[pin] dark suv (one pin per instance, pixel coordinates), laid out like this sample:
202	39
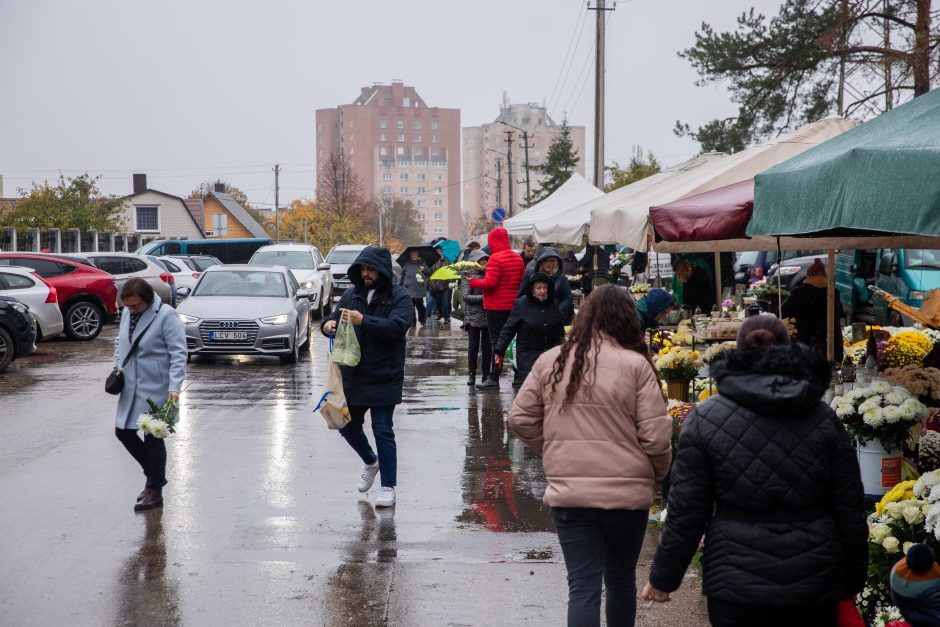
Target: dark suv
17	331
87	295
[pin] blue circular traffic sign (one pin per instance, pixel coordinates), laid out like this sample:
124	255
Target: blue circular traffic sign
499	214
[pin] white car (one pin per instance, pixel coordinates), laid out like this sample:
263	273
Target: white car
130	265
24	285
307	265
184	274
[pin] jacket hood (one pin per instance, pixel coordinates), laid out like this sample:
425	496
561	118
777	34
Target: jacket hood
498	240
477	255
375	257
544	278
782	381
546	253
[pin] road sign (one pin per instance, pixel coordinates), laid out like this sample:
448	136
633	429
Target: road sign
499	214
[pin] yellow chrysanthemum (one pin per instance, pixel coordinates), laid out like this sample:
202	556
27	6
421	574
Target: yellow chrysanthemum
900	492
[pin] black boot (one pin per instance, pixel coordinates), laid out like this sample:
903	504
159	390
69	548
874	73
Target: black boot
491	383
472	380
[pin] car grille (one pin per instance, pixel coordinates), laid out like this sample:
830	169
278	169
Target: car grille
248	326
274	343
339	276
191	343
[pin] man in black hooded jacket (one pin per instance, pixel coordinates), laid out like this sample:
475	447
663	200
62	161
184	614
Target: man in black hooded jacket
381	313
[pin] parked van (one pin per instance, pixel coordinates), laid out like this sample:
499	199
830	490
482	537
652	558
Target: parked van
908	274
237	250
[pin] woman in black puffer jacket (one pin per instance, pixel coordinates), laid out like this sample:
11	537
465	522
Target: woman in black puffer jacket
766	471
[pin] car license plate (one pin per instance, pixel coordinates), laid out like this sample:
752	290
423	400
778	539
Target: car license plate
228	335
343	284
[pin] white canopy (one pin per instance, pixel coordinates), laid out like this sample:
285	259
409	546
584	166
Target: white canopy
575	191
624	219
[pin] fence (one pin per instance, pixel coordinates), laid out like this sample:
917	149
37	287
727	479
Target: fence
71	241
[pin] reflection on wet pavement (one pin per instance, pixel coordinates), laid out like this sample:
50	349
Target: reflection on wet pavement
145	594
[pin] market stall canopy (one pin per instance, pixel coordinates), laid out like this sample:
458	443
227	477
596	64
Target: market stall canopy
720	214
883	176
618	222
577	190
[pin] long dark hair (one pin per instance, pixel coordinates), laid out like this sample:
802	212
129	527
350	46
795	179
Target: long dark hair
609	311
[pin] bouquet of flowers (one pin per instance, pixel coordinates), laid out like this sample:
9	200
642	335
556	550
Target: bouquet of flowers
924	383
717	352
881	411
660	340
926	489
928	451
639	288
766	291
161	421
466	266
678	412
857	353
907	348
679	364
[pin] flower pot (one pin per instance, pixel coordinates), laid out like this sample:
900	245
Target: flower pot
880	468
678	390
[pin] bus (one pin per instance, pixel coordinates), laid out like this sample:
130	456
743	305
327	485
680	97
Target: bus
226	250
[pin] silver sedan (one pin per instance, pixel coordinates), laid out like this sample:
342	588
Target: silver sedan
245	310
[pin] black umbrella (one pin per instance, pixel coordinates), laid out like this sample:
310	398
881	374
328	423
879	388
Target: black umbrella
427	253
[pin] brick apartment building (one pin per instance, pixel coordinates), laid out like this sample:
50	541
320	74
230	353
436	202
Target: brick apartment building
401	149
484	145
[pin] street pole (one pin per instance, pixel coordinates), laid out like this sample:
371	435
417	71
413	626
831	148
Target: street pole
528	190
499	182
601	9
277	217
509	172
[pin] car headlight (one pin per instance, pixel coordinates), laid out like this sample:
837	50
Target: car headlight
788	270
917	295
281	319
188	319
308	285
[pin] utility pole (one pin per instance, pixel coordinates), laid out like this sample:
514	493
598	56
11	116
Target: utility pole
601	9
889	104
844	13
528	189
509	169
277	217
499	182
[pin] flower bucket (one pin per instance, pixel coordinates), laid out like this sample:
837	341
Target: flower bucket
678	390
881	469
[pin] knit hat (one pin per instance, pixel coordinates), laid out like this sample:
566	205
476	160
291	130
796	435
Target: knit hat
817	269
915	573
658	300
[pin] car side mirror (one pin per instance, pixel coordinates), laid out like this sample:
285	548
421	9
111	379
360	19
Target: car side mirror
303	293
183	292
323	266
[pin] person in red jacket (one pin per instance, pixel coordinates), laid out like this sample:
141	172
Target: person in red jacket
504	274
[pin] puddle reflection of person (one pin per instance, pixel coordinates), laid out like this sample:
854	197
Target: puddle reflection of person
145	595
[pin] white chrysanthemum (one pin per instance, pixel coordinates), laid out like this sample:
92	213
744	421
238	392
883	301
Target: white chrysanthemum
845	410
144	422
895	397
870	403
854	395
878	532
892	414
913	408
874	417
894	510
881	387
912	514
159	429
926	482
865	392
839	400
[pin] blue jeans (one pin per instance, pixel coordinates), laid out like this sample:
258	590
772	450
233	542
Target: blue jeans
383	430
600	545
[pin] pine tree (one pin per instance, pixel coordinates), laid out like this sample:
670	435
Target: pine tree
560	163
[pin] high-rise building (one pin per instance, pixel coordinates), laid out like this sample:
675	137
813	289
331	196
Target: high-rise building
485	157
401	149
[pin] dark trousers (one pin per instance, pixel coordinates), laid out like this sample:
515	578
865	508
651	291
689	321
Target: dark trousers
383	430
724	614
600	545
442	303
418	304
496	320
479	338
150	453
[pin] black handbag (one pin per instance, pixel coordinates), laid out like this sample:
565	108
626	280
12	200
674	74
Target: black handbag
114	384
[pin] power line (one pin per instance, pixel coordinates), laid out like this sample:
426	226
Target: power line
581	13
574	54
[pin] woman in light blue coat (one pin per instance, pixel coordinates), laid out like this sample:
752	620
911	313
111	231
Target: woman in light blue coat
155	371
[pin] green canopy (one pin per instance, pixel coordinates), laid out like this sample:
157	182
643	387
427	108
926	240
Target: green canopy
882	177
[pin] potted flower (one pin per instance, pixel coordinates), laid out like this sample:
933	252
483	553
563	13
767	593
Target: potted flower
882	418
717	352
678	366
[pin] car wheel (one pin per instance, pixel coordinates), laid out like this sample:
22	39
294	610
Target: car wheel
84	321
318	312
6	349
294	355
306	342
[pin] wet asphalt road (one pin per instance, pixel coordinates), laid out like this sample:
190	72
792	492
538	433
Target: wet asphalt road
262	523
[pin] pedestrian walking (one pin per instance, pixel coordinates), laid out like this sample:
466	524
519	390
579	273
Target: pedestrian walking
414	275
381	313
536	323
528	252
766	472
653	308
478	335
153	371
807	306
594	409
504	273
439	289
549	263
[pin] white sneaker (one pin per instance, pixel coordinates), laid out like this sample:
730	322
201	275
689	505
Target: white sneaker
368	476
386	497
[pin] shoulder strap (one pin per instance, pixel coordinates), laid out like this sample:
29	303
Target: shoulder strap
136	343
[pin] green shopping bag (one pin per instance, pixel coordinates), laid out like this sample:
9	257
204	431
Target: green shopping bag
345	348
510	357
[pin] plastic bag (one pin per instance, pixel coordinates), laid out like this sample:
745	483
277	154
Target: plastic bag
332	405
345	348
510	357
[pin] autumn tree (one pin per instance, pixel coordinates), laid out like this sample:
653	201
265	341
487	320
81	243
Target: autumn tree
310	221
640	167
561	159
400	222
240	197
71	203
816	57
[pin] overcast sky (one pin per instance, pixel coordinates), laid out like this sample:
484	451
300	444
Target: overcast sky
190	90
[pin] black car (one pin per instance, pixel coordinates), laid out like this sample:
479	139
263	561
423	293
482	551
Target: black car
793	271
754	265
17	331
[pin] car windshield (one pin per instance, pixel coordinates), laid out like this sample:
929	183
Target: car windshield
242	283
748	258
202	263
296	259
922	258
347	257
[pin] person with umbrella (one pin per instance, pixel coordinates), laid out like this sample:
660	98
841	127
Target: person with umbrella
440	288
414	274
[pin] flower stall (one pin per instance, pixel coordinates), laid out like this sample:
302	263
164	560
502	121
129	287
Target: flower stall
678	366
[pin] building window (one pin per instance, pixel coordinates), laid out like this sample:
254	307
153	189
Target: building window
383	137
383	151
422	203
220	224
350	124
383	123
422	190
434	125
438	215
400	137
438	177
403	176
417	125
433	139
417	139
438	203
400	150
421	176
438	229
403	189
406	102
386	176
148	219
421	216
438	190
400	124
387	189
435	152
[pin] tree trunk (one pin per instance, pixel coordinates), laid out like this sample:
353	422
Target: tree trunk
920	55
